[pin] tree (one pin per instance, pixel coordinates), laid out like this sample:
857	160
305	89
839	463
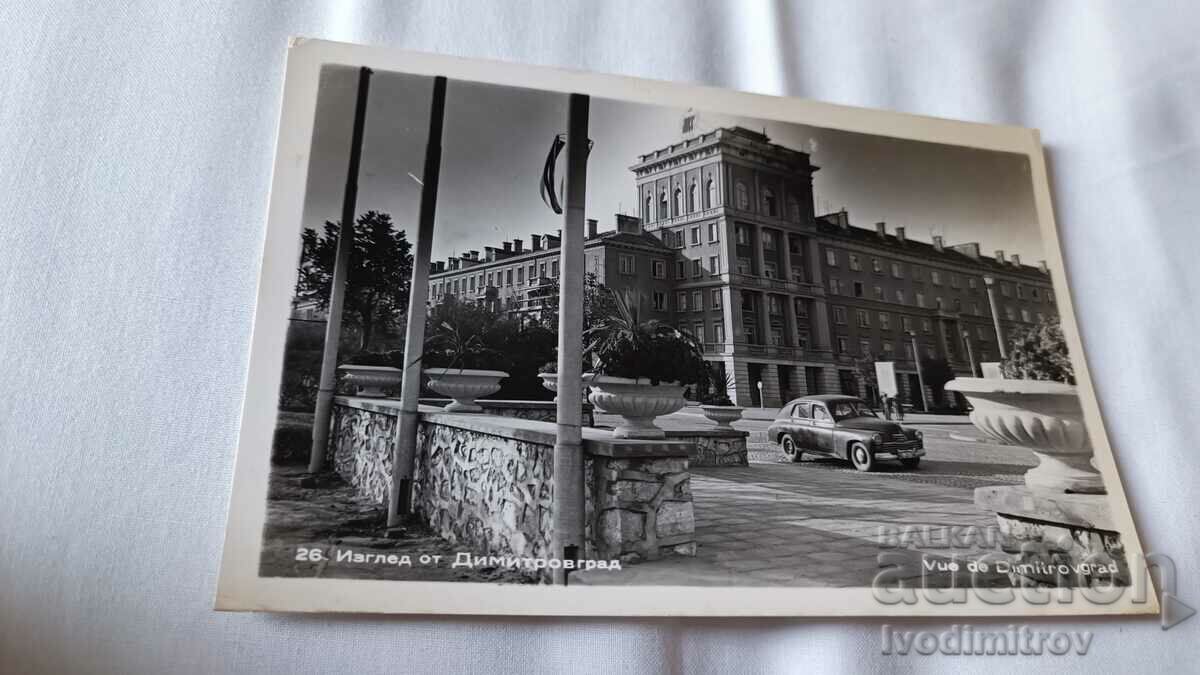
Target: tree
377	282
599	303
936	373
1039	352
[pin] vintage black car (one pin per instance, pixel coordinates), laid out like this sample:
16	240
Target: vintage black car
843	427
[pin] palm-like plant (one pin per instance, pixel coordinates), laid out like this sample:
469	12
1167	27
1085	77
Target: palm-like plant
621	345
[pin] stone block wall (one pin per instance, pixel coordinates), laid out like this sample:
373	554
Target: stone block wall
485	483
490	493
713	447
361	441
639	507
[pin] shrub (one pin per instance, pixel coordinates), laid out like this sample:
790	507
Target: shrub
1039	352
622	346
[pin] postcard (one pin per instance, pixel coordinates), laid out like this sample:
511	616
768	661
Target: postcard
540	342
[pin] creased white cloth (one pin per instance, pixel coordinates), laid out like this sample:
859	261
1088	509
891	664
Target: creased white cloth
136	143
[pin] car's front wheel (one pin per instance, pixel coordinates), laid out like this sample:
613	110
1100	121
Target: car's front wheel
862	458
790	449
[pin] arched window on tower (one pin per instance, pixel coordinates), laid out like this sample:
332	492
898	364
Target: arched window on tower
794	209
710	195
662	206
769	202
648	214
742	195
678	201
692	197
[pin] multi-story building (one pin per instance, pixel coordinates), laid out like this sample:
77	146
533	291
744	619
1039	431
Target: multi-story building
518	279
729	247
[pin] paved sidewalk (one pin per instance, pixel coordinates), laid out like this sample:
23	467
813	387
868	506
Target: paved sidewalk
797	525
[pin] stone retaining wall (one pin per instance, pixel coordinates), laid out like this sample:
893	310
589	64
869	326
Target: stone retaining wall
544	411
714	447
486	482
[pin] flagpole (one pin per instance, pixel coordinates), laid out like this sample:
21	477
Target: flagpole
404	449
567	538
337	291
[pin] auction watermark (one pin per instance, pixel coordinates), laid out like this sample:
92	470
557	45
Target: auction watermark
966	640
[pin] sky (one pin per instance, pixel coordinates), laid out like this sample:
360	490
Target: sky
496	139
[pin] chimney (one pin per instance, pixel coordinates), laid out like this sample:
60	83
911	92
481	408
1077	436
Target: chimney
489	253
1016	260
630	224
518	245
592	226
453	263
937	243
900	234
1000	256
508	247
535	242
1042	266
843	219
881	229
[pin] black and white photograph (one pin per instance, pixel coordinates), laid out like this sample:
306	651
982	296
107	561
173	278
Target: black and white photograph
556	339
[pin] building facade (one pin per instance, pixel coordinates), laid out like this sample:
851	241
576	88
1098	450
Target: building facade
728	247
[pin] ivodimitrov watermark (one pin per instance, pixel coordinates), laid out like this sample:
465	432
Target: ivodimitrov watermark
966	640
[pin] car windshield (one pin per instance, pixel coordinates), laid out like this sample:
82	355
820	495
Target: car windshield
846	409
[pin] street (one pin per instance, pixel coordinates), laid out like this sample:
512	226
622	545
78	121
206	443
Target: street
819	522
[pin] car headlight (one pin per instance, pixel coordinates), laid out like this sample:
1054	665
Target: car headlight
876	439
917	434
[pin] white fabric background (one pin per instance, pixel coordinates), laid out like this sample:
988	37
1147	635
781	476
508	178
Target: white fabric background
135	150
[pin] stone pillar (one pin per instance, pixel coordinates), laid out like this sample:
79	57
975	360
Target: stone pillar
791	327
787	255
742	384
333	324
770	390
757	249
404	449
733	314
819	322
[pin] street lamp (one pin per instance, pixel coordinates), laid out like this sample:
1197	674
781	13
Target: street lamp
989	282
920	378
970	354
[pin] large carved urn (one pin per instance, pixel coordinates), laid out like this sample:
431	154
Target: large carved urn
1045	417
637	402
370	381
464	385
723	415
550	381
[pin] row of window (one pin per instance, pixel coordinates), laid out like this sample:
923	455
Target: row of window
858	290
675	207
658	267
678	203
697	330
659	300
677	238
936	277
509	277
887	350
863	319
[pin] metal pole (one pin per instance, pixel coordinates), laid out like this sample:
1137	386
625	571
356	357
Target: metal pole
567	540
989	282
337	291
404	450
970	353
920	377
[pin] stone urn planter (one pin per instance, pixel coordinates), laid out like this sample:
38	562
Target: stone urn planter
550	381
637	402
1045	417
464	386
723	415
370	381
